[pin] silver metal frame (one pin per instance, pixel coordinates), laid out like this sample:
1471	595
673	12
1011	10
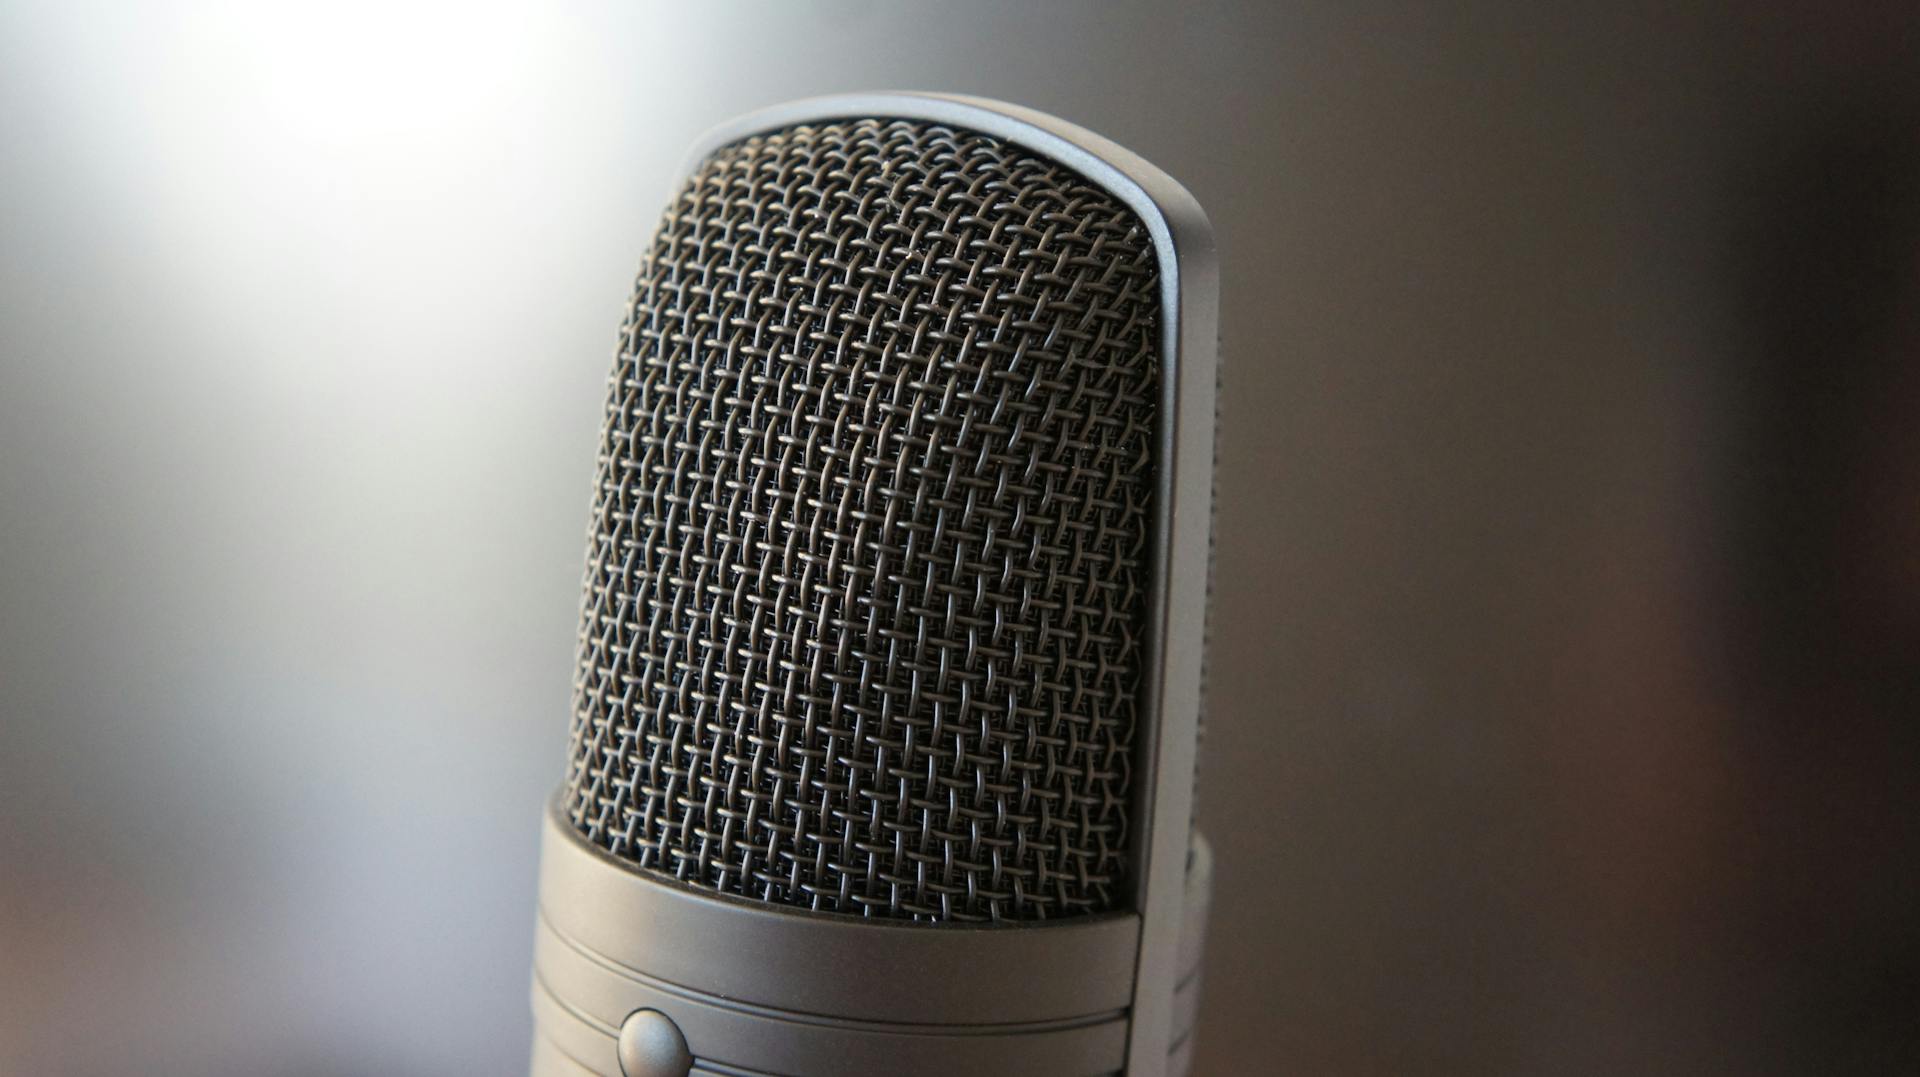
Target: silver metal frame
793	992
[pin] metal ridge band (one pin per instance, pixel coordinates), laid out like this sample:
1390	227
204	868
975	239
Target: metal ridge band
840	967
582	992
758	988
588	1012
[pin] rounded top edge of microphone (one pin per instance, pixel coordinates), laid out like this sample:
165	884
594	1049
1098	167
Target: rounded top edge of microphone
1180	228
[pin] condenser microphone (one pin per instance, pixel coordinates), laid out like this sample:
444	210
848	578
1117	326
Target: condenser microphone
889	667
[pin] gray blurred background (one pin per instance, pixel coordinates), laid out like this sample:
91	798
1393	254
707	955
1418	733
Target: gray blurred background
1569	546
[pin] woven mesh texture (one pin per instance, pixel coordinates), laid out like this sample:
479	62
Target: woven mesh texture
868	561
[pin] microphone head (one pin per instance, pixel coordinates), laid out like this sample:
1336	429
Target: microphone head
890	645
870	558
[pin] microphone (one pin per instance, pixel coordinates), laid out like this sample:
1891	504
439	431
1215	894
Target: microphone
890	654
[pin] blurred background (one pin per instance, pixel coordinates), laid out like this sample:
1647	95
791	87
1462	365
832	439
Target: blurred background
1568	638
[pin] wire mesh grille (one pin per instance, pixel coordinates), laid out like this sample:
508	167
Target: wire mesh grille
867	566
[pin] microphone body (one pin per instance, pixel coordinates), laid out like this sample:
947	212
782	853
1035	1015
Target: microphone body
891	649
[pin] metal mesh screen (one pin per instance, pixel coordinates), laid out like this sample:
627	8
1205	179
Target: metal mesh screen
868	559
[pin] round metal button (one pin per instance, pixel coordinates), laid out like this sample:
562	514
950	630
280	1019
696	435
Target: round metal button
651	1046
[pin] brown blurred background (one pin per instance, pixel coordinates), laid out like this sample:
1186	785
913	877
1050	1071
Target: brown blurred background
1568	647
